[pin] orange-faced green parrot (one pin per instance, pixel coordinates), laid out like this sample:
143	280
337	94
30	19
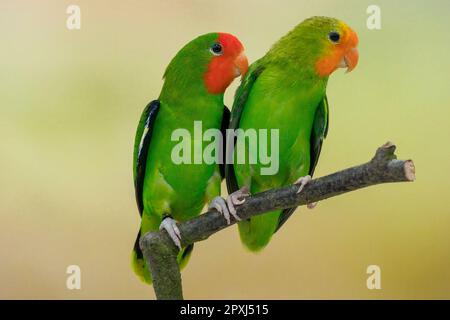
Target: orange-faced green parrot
168	191
286	90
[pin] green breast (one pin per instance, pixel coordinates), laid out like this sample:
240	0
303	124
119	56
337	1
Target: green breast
276	102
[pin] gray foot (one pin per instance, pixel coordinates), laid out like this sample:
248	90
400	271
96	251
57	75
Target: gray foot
170	225
228	207
302	182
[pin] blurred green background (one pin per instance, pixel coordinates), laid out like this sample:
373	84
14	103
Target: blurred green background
70	102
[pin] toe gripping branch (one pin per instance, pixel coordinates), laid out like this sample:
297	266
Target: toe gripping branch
161	253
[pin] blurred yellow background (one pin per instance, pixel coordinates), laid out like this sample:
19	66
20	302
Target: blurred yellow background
70	102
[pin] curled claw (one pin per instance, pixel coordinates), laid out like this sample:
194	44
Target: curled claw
220	205
170	225
238	197
302	181
228	207
232	208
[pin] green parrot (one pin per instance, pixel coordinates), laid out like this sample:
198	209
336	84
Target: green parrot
286	90
168	191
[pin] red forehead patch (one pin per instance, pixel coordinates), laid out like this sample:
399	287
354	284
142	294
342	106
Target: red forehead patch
230	43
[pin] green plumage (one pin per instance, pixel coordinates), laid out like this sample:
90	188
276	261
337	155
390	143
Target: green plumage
283	91
167	188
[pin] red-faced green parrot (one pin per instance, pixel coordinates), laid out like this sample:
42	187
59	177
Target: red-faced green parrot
166	190
286	90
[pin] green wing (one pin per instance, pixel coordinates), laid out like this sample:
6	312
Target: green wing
318	134
141	145
240	100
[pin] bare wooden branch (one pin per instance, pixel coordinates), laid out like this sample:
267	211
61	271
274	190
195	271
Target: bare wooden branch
160	252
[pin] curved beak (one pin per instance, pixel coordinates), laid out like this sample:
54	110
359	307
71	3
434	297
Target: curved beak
351	59
241	64
351	56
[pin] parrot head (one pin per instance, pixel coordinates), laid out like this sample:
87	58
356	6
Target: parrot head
338	48
214	59
321	45
228	61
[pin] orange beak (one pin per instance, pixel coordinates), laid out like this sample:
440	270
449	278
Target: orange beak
351	55
241	64
351	59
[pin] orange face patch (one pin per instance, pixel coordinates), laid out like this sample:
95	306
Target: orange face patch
344	49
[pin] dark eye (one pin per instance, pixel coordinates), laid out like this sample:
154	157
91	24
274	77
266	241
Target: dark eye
334	36
216	49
